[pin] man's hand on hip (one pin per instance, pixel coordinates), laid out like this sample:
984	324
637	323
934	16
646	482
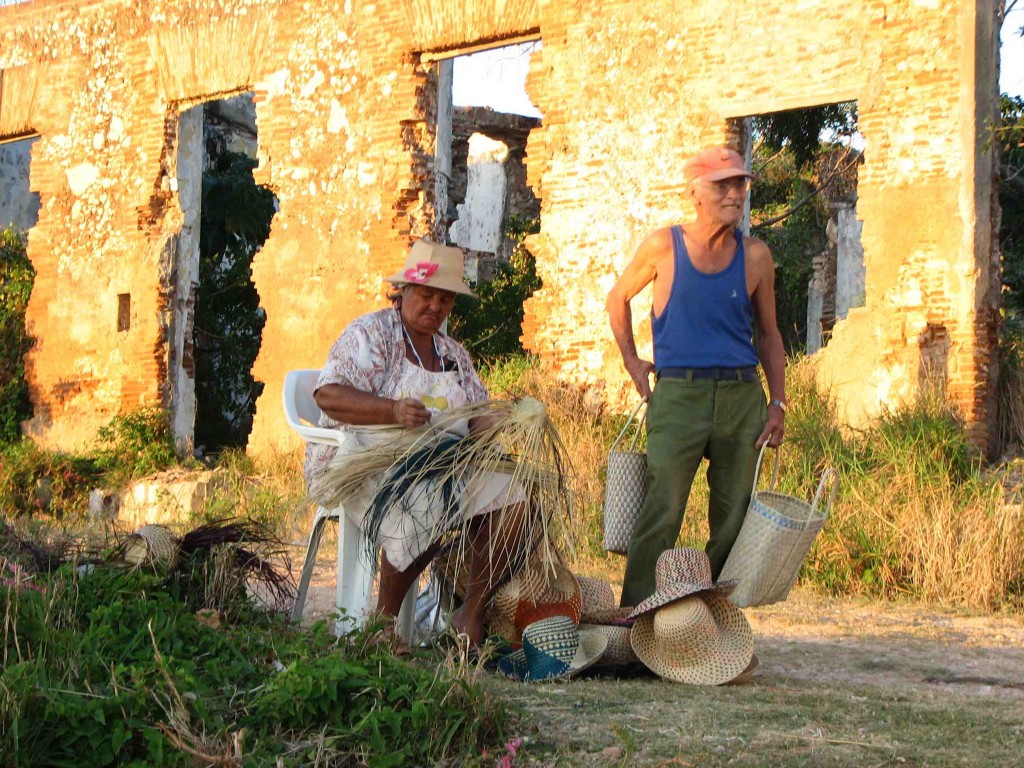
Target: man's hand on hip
640	371
774	429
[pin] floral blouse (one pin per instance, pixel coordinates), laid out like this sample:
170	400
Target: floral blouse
368	356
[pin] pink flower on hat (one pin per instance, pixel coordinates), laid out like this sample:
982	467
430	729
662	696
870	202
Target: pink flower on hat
421	271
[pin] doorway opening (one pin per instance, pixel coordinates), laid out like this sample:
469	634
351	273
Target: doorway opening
804	206
219	321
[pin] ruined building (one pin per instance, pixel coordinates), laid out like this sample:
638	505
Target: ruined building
350	99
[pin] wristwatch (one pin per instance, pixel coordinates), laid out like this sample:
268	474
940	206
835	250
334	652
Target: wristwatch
780	404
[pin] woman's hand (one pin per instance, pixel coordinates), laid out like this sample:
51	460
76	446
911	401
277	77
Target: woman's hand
410	413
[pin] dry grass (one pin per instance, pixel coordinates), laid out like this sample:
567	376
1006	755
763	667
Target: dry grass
915	515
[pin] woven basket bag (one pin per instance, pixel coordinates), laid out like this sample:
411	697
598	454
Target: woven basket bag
625	486
776	536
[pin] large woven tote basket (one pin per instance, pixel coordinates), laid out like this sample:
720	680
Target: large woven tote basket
776	536
625	485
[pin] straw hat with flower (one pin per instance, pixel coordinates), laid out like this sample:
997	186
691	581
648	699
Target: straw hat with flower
434	265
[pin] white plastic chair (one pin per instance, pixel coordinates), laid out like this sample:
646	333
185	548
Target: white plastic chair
355	575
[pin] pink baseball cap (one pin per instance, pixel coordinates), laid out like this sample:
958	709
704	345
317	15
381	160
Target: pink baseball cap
715	164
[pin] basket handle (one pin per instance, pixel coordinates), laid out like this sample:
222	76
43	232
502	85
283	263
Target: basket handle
630	420
828	474
757	470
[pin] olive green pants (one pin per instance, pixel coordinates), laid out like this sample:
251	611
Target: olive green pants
690	420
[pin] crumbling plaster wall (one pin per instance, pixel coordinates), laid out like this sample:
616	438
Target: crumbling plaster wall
628	90
344	110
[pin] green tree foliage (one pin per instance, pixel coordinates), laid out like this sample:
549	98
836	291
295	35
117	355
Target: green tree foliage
236	215
794	239
800	130
16	279
1010	140
490	326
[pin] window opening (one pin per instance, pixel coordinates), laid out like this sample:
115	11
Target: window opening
489	207
19	205
124	312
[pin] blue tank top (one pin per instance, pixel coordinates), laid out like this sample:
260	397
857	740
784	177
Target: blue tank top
708	321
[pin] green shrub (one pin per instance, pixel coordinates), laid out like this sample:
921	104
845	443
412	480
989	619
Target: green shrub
34	481
136	443
110	666
16	279
490	326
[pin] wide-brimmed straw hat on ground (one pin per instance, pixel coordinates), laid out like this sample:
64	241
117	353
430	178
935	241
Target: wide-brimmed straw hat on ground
553	648
433	264
542	588
701	640
680	573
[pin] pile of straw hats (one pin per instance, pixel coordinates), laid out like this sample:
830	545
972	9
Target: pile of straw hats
542	588
687	631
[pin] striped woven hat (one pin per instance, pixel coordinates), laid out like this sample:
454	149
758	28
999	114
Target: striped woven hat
542	588
701	640
598	604
680	573
553	648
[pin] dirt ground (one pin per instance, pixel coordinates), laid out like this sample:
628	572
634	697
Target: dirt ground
842	682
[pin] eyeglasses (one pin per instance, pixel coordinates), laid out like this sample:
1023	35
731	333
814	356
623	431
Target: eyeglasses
721	188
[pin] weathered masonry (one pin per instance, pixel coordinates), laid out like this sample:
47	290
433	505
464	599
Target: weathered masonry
346	106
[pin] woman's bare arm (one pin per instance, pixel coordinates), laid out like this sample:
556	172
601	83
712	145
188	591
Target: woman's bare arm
354	406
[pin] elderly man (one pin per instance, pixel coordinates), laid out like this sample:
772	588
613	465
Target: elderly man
710	282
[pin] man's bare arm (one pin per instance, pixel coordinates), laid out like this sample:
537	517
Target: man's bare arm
640	272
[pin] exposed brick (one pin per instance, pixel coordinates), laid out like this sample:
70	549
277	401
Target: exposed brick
628	89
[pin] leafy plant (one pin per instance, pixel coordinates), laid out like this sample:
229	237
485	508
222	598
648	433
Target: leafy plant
491	325
16	279
111	666
135	444
34	481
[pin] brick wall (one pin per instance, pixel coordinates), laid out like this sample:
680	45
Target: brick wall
627	90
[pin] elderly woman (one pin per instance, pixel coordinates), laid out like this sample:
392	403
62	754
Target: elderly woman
395	367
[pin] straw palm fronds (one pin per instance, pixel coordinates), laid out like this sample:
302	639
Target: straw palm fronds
515	438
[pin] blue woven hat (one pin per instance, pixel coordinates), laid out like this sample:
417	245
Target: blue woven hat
553	648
